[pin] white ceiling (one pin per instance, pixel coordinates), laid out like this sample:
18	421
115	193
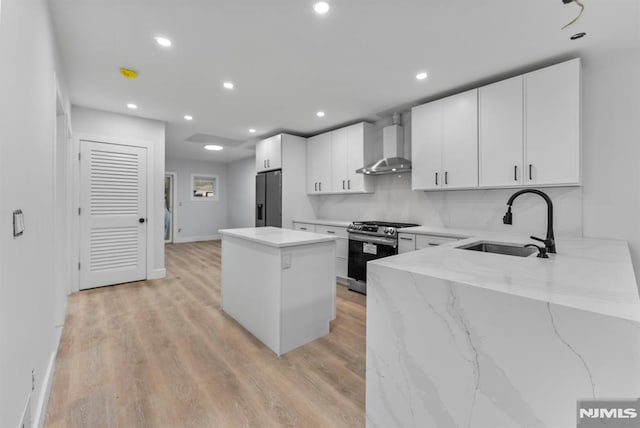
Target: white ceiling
357	62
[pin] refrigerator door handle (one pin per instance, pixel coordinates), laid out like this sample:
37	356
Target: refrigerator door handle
259	208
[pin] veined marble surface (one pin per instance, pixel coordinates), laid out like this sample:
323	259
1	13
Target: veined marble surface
457	338
590	274
276	237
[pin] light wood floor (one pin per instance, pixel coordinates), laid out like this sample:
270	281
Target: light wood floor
162	354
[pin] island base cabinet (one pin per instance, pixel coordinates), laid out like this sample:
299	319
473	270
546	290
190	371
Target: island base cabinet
444	354
283	296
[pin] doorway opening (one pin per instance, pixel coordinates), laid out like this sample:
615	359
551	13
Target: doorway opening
169	196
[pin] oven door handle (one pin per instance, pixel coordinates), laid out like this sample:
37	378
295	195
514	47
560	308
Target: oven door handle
373	240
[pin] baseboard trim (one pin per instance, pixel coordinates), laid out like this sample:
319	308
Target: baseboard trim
183	239
157	274
43	399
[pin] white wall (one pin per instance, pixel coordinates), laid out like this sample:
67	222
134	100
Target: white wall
242	193
28	338
198	220
96	123
611	123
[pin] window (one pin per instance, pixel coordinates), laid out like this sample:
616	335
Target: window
204	187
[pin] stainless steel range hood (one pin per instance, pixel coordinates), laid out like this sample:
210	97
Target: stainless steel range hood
393	161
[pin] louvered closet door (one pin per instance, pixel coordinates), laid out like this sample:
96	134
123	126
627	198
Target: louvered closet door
113	201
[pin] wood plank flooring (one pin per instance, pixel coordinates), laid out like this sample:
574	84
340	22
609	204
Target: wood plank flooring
162	354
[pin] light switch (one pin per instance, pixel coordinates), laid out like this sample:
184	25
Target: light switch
18	223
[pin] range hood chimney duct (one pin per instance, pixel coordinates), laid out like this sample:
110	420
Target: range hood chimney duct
393	161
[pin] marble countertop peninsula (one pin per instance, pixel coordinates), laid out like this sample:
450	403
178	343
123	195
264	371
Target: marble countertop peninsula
589	274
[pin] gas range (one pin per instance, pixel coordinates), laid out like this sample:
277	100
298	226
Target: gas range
377	228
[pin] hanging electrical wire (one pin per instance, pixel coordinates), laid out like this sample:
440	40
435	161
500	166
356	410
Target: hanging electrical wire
579	14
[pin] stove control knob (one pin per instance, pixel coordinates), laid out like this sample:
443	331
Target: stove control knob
392	231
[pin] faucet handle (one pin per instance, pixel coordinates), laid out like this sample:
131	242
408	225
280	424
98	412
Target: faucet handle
546	242
542	251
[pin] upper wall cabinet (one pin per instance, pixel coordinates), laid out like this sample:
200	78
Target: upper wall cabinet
333	157
529	129
319	164
526	131
269	154
444	137
501	140
552	125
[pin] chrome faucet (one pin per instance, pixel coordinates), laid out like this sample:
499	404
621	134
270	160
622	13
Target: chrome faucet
549	241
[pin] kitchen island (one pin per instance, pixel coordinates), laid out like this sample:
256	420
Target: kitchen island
279	284
463	338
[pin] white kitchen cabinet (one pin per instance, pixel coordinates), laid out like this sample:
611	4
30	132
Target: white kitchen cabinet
445	143
552	125
406	243
426	241
319	172
333	157
500	140
342	247
342	244
351	149
306	227
269	154
426	146
460	141
339	159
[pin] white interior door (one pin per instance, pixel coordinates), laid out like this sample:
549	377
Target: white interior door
113	203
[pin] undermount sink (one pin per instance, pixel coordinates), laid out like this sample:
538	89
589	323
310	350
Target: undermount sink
497	248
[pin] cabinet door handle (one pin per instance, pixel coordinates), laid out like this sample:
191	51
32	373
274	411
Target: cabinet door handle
315	186
436	178
349	184
446	177
320	186
268	163
330	231
515	173
303	228
406	239
530	172
342	184
264	163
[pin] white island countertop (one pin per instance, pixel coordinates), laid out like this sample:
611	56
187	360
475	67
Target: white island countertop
276	237
595	275
334	223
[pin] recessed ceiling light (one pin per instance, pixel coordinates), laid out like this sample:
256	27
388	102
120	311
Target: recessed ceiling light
252	131
188	117
422	75
578	36
320	114
213	147
132	106
321	7
228	85
163	41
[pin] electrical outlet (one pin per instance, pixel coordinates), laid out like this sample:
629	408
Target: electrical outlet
286	260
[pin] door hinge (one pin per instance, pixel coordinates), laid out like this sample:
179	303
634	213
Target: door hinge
79	156
78	265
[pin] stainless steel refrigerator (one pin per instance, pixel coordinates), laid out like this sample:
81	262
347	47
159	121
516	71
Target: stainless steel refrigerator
269	199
